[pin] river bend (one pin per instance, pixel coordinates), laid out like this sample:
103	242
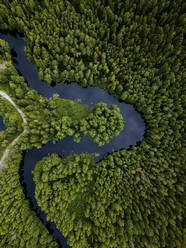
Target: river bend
132	134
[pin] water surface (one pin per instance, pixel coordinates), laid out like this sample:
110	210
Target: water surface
2	126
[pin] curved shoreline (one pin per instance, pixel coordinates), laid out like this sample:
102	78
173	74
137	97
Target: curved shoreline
7	151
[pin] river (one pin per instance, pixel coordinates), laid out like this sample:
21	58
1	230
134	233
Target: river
132	134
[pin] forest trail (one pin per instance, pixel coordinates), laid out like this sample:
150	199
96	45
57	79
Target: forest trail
7	151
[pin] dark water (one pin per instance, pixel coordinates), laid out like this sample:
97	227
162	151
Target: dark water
132	134
2	126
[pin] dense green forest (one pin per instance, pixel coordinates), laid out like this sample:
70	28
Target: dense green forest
134	50
20	227
100	124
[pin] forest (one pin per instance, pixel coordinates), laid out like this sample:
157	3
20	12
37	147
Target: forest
100	124
135	51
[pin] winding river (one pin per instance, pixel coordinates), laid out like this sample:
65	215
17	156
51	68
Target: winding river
132	134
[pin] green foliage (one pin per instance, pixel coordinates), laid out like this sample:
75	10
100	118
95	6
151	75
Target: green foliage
111	203
20	226
71	109
12	121
135	51
101	124
4	52
71	179
38	110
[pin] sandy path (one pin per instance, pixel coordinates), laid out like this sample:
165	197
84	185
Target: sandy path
7	151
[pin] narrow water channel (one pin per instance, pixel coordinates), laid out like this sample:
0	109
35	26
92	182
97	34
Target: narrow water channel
132	134
2	126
